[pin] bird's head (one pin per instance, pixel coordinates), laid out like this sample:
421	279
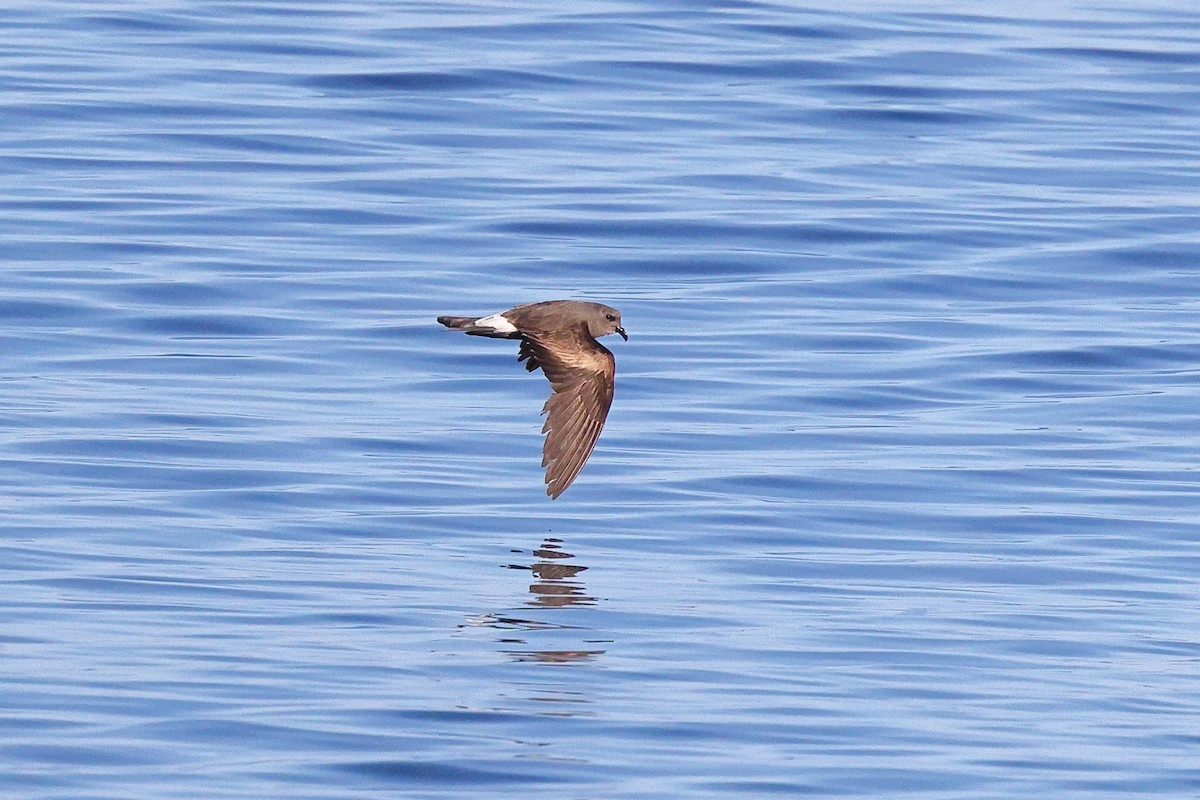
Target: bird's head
606	320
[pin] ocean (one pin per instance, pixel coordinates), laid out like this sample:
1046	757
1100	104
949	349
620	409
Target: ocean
898	497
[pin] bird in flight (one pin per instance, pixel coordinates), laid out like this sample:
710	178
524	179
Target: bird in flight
559	336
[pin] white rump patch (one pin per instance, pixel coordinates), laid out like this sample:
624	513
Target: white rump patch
496	322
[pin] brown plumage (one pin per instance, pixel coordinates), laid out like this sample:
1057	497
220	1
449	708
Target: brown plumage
559	337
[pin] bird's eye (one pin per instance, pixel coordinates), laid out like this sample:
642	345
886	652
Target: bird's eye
609	317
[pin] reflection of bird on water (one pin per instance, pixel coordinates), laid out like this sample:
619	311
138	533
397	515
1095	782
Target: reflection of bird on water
555	656
554	586
554	590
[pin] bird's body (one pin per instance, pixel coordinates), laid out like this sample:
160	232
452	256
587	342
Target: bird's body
559	337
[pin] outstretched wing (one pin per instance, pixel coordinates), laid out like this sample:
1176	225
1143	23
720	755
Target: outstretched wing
581	373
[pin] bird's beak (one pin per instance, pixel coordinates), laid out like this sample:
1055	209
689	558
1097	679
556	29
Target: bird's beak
624	335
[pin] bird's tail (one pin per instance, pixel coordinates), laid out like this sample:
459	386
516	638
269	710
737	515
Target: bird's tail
495	326
460	323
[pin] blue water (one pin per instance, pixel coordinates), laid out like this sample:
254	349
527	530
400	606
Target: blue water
899	496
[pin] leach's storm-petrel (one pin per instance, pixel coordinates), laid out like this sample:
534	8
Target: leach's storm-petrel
560	337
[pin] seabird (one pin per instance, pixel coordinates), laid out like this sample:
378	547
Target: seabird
559	336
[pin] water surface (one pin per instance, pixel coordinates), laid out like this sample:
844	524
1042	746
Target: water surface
898	496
